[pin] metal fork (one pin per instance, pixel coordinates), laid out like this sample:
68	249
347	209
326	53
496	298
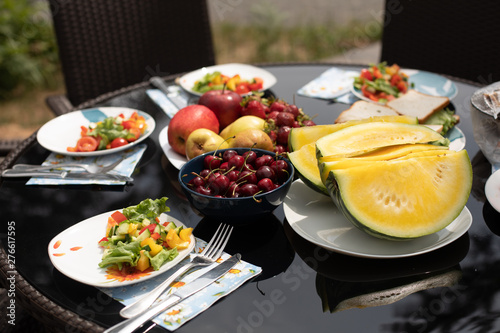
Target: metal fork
90	168
212	252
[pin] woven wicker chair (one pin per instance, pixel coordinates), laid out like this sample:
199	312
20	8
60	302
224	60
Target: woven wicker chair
454	37
107	45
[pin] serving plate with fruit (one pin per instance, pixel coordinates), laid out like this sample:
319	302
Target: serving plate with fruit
315	218
246	73
223	119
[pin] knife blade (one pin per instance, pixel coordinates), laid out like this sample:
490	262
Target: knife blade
129	325
172	93
64	174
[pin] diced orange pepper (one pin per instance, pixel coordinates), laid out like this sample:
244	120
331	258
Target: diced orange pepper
143	262
185	234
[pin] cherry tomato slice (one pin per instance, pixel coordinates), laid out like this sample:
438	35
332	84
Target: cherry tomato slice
86	144
118	142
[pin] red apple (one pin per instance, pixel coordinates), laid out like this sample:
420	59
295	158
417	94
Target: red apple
224	103
185	121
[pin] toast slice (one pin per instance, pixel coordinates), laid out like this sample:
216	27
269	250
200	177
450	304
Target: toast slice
416	104
362	110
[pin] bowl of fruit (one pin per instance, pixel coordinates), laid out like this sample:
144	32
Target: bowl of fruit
236	183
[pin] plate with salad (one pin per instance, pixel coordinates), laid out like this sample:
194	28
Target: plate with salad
240	78
94	132
382	83
122	247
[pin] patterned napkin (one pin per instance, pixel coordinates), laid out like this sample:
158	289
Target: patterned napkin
334	83
126	167
192	306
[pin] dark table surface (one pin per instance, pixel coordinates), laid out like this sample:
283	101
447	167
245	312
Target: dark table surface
453	289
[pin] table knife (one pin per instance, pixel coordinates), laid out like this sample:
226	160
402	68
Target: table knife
11	173
173	95
129	325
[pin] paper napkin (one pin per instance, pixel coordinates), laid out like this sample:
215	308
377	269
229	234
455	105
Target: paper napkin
334	83
192	306
125	168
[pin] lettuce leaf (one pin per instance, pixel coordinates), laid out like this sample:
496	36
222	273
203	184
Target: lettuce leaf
444	117
146	209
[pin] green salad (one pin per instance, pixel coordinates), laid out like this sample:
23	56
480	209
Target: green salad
137	240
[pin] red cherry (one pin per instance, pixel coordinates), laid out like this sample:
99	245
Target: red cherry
250	156
204	173
224	167
233	175
266	185
265	171
228	154
279	149
236	161
211	162
197	181
203	190
248	177
263	160
248	190
219	185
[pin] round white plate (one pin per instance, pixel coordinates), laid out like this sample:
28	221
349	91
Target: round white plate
81	254
175	158
246	72
315	217
457	139
424	82
492	190
64	131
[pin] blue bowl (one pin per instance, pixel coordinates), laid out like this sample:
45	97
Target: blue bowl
230	208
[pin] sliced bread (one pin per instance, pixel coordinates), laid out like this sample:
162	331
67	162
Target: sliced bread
362	110
416	104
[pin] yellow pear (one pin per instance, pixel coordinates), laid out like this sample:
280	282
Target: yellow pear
242	124
203	140
252	138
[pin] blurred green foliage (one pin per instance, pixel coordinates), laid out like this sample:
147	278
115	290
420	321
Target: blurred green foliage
28	49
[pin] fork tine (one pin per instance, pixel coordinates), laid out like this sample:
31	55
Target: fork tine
111	166
221	243
214	239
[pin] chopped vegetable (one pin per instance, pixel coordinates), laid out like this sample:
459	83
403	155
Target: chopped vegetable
381	83
216	81
112	132
135	238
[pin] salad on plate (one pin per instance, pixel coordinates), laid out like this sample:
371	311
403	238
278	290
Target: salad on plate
218	81
112	132
381	83
136	240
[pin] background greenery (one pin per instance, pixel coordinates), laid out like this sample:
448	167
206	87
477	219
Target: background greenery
29	67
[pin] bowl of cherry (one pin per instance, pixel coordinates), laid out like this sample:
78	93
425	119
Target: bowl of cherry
236	182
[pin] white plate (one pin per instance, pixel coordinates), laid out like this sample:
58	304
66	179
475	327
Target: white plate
315	217
64	131
174	157
424	82
82	264
457	139
246	72
492	190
